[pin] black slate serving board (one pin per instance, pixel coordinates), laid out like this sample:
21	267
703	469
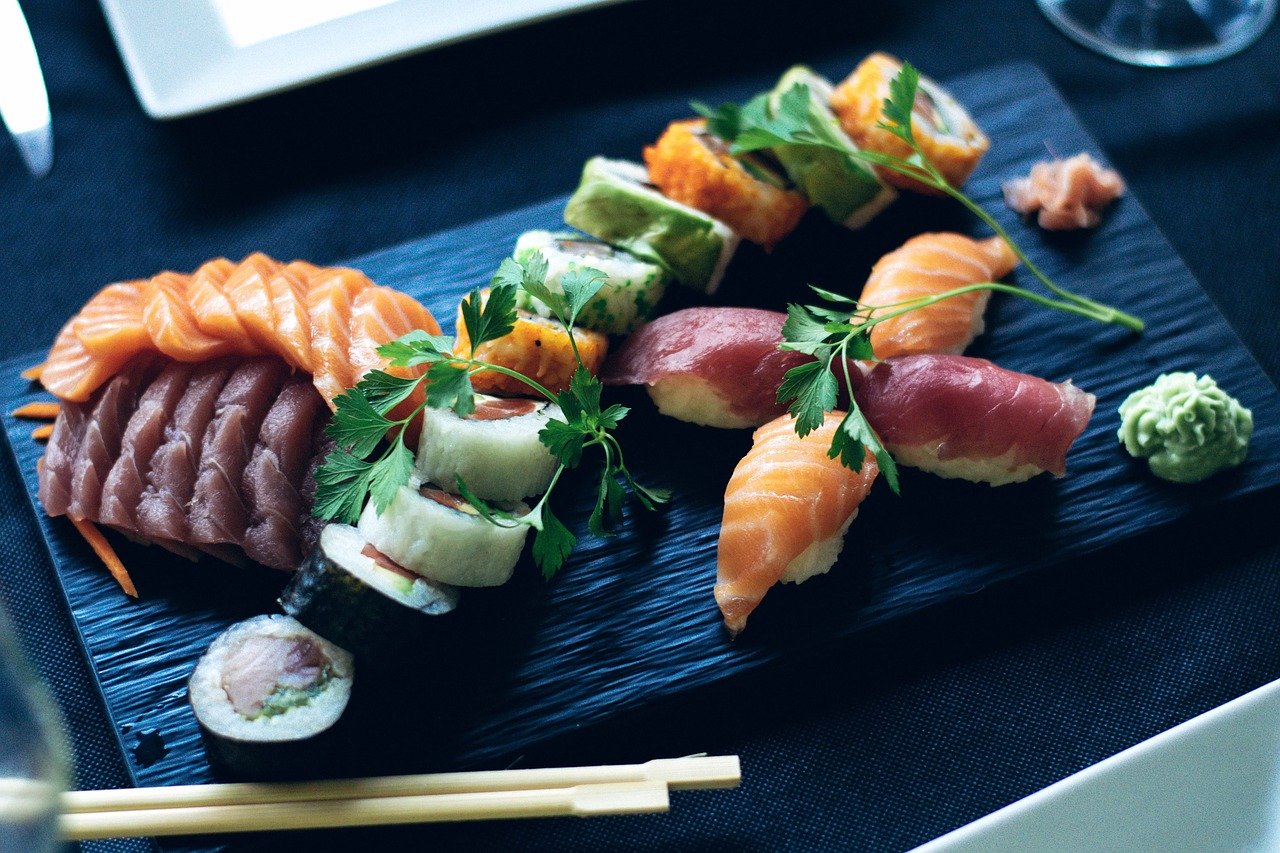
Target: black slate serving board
631	619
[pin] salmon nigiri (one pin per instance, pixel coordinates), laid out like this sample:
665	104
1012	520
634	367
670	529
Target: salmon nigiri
786	510
928	265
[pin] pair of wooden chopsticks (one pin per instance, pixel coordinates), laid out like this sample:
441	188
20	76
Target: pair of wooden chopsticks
429	798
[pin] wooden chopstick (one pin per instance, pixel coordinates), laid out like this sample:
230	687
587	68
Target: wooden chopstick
695	771
579	800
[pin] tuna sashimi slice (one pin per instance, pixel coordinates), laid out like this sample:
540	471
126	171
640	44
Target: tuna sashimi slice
786	509
103	434
275	473
217	512
54	471
968	418
123	488
171	475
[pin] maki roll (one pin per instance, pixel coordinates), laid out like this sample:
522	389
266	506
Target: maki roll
948	136
266	693
495	449
631	289
537	347
617	203
693	166
846	189
441	537
354	594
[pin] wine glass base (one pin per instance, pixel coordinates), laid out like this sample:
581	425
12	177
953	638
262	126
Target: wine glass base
1162	33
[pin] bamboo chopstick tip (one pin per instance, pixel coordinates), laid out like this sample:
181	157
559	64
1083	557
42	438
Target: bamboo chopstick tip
703	771
620	798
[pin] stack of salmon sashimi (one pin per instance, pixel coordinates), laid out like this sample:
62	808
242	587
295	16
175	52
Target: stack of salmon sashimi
193	406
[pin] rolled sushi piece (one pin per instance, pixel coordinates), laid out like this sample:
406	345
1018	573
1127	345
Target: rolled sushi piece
617	202
538	347
947	134
847	190
267	695
627	298
749	193
441	537
355	595
495	449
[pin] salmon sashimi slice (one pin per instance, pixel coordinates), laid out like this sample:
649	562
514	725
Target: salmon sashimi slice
330	300
171	323
248	291
291	326
379	315
216	317
925	266
786	510
111	322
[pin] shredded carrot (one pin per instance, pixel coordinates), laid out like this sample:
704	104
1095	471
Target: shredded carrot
106	553
42	433
38	411
33	372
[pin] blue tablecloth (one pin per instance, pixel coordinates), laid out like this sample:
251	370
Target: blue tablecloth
881	744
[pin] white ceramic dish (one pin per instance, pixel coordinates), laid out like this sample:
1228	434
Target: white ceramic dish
191	56
1209	784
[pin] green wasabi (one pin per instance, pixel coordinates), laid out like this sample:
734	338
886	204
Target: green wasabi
1185	426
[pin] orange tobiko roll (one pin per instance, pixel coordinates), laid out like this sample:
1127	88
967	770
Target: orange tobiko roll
694	167
538	347
951	140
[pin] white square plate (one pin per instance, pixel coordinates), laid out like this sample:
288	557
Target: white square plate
1209	784
191	56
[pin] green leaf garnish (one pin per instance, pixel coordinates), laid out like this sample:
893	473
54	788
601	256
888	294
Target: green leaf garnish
362	422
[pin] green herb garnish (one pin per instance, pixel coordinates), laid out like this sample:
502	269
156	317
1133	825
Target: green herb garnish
362	424
811	389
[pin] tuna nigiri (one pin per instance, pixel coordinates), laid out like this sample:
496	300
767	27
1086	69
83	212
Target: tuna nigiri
971	419
928	265
786	510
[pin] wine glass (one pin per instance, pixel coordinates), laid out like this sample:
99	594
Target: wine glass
33	754
1162	33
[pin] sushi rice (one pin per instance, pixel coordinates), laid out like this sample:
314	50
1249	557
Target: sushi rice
627	298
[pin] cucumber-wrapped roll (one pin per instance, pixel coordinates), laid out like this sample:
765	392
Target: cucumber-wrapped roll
847	190
440	536
617	203
631	289
351	593
495	450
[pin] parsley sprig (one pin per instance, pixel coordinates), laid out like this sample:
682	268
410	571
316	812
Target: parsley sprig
797	120
372	459
836	335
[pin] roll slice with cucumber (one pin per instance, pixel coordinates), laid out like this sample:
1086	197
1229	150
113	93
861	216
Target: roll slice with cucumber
616	202
268	695
631	289
440	536
351	593
495	450
847	190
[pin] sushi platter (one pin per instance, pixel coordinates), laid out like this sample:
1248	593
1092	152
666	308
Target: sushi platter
630	619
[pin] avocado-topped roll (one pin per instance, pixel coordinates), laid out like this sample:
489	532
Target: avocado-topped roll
749	193
263	694
440	536
846	189
617	203
352	593
495	450
631	289
951	139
